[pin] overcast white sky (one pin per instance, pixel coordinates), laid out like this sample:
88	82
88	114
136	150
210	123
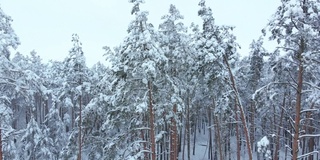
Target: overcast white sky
47	25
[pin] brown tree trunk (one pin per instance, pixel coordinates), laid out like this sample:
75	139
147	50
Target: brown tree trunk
152	136
217	132
174	137
210	153
80	128
165	138
144	140
218	136
171	140
237	130
295	145
310	131
276	152
238	102
252	125
184	142
195	120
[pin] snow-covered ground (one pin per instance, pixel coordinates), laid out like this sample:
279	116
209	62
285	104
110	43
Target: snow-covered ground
202	149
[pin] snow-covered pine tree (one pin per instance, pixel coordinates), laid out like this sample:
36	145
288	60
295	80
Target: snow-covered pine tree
255	74
295	26
176	45
34	144
137	68
9	39
76	82
216	54
93	115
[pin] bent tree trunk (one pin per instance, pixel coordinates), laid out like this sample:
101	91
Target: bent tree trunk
237	131
238	102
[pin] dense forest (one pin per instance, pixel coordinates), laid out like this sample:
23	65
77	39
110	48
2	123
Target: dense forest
170	92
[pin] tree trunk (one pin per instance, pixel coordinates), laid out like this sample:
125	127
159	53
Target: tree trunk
80	128
238	102
194	133
210	155
152	136
165	139
184	142
276	152
171	139
173	136
252	125
237	131
217	132
310	131
188	128
218	137
142	136
229	141
295	145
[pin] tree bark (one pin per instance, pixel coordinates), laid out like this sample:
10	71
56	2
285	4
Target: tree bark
238	102
252	125
237	131
310	131
171	139
175	133
142	136
210	155
184	143
217	132
80	128
276	152
188	128
218	137
295	145
152	136
195	133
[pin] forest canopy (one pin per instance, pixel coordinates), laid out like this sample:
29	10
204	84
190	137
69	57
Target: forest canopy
170	92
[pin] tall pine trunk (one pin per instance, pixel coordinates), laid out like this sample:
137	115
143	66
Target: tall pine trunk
210	153
218	136
174	136
310	131
184	143
142	136
295	145
152	136
80	128
237	131
195	120
188	128
276	152
217	132
252	125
